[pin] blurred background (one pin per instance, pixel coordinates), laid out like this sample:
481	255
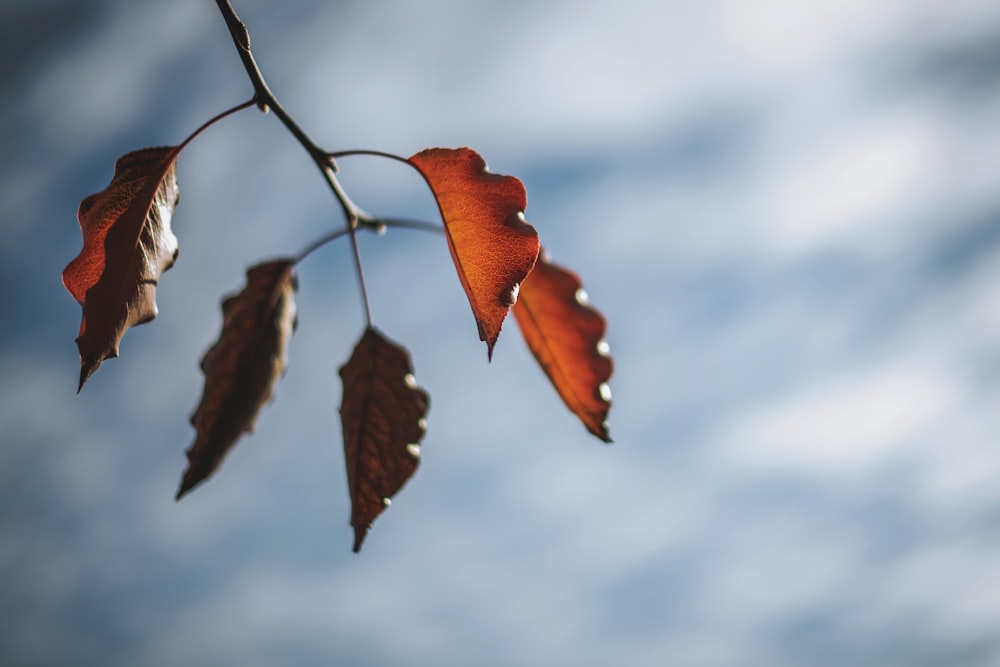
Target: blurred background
789	213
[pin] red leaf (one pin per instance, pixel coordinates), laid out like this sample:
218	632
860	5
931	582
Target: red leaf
127	244
383	419
242	367
567	338
491	244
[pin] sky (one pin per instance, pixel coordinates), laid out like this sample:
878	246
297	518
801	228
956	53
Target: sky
788	212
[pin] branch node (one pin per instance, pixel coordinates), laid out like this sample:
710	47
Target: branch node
243	37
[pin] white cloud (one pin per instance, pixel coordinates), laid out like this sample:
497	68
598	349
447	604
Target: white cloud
950	587
93	92
520	539
860	185
774	567
851	424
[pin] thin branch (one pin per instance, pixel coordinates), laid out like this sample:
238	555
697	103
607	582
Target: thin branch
354	214
241	37
374	225
266	100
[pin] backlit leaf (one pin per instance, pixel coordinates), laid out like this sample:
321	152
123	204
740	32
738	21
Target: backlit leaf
566	335
127	244
242	367
491	244
383	419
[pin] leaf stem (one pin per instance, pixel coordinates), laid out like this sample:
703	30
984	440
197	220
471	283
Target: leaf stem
318	243
361	276
374	225
211	121
404	223
390	222
375	153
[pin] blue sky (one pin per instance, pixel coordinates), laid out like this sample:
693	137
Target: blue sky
789	213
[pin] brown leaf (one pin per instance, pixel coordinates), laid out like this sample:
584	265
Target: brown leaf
242	367
383	419
566	335
127	244
491	244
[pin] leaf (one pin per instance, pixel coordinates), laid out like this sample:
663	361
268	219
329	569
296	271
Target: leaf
566	335
491	244
383	419
127	244
242	367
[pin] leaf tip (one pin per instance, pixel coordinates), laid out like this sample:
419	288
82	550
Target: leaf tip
487	337
359	536
88	366
184	488
192	478
600	424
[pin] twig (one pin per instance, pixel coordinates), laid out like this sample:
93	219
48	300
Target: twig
266	101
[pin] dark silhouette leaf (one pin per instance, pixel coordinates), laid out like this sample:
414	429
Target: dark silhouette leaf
493	247
566	335
383	419
242	367
127	244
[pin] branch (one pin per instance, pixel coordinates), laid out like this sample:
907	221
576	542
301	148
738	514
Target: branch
379	224
266	101
263	96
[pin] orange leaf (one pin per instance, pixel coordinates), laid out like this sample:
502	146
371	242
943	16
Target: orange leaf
491	244
242	367
127	244
567	338
383	419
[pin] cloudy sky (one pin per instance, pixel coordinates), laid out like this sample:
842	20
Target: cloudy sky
789	213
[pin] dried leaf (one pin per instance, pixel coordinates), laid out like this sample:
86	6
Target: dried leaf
566	335
383	419
242	367
127	244
492	246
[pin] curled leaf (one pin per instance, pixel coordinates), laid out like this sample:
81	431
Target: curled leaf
491	244
383	419
566	335
242	367
127	244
